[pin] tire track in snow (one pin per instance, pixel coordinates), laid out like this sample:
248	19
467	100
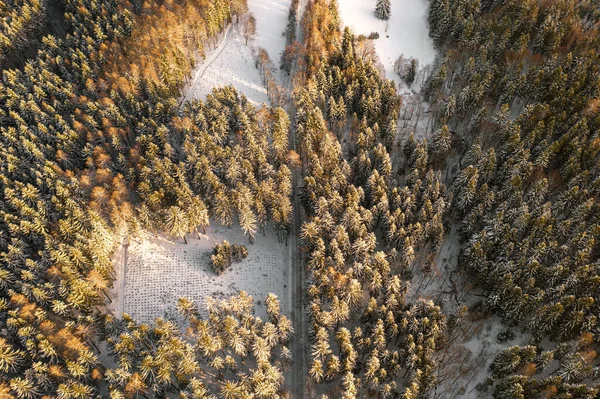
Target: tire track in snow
206	64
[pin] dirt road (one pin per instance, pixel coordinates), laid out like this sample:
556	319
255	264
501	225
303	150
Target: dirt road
300	344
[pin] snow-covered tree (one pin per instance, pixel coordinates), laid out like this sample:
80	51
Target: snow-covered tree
406	68
249	26
383	9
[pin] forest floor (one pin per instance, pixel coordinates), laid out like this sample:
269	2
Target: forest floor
473	344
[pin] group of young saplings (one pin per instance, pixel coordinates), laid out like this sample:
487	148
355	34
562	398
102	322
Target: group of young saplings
225	254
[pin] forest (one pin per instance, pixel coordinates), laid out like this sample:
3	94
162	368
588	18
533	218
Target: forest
95	148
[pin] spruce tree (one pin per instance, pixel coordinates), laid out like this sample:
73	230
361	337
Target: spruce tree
383	9
412	71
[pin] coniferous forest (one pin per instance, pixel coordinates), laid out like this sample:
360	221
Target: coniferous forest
96	148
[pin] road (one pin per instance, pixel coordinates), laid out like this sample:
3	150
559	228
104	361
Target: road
206	64
300	344
117	292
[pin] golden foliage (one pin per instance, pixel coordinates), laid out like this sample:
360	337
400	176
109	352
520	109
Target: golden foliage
528	369
165	33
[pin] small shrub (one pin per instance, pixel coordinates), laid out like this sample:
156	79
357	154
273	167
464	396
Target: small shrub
505	335
485	385
224	254
239	252
374	35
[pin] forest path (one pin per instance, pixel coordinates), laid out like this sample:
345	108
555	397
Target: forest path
206	64
299	345
117	292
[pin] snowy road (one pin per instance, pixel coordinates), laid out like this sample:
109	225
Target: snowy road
117	292
300	343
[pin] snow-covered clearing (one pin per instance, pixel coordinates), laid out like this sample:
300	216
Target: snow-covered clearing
234	65
232	62
160	271
271	20
406	32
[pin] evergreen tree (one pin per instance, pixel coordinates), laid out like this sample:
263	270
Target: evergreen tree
383	9
412	71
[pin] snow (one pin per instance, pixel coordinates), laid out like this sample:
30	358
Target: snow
115	305
407	29
155	272
271	20
466	363
415	116
437	284
473	343
160	271
232	63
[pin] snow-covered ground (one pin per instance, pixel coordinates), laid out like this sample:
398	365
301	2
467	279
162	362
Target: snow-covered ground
407	30
157	271
232	63
271	20
465	363
160	271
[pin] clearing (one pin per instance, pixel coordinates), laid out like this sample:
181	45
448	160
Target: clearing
159	271
230	64
271	20
406	32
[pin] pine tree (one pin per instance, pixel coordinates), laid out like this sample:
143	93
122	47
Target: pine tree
9	357
442	141
177	222
383	9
